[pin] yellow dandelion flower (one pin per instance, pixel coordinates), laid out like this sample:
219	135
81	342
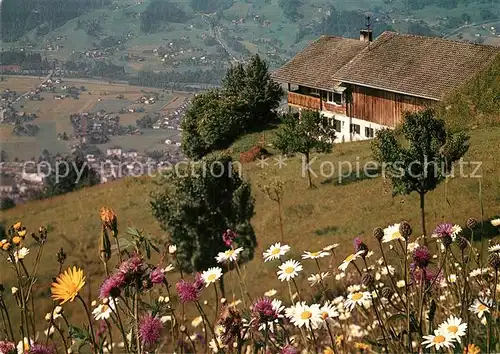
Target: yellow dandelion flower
17	225
5	246
328	350
361	346
472	349
67	285
22	233
339	340
17	240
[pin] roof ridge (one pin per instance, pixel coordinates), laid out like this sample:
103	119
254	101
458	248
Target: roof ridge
441	39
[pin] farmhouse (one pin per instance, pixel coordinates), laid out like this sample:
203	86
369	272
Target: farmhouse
365	85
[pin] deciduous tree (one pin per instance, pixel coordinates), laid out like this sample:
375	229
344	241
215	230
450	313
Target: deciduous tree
419	159
305	134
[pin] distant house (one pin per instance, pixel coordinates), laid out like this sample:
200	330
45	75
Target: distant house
10	68
114	152
364	85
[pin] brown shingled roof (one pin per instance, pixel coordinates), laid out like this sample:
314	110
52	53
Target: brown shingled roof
315	65
418	66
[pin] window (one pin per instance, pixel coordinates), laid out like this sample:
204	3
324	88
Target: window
369	132
338	125
355	128
314	91
335	97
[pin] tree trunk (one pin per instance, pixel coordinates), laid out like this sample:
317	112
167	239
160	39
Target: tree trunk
422	215
309	181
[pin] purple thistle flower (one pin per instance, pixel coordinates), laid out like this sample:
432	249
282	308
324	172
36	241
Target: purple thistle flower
288	349
444	229
359	245
263	311
421	256
111	286
150	330
188	292
157	276
38	348
7	347
228	237
419	275
199	283
131	266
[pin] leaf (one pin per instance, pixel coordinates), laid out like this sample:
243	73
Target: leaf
123	243
395	317
132	231
78	334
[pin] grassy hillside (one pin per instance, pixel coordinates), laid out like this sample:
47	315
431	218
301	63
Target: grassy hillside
334	212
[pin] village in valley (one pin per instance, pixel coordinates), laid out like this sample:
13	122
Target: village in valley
119	130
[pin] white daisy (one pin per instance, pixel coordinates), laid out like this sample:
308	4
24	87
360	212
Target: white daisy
196	321
24	345
480	306
452	278
453	326
302	314
270	293
495	222
329	312
494	248
275	252
339	276
392	233
103	311
228	256
315	279
478	271
168	268
49	331
211	275
289	270
20	254
455	230
349	259
401	283
330	247
439	340
172	249
315	255
362	298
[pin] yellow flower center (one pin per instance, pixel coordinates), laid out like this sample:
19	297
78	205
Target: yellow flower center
314	254
349	258
275	251
306	315
211	277
229	253
357	296
324	315
439	339
482	307
289	270
104	308
452	329
396	234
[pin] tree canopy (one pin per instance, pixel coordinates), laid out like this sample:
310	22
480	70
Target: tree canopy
198	205
422	157
304	134
247	100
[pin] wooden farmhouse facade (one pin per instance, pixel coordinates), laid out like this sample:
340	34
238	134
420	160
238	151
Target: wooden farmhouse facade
365	85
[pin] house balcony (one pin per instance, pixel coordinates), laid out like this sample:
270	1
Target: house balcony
301	100
304	101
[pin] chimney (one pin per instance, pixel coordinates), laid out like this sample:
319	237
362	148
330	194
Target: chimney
366	35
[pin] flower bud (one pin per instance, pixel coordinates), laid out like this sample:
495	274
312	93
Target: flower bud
367	279
494	261
387	292
378	233
471	223
405	229
462	242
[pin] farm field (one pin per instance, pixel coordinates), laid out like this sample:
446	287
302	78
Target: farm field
53	115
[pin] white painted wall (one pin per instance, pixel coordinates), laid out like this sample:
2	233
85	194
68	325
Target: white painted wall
345	125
